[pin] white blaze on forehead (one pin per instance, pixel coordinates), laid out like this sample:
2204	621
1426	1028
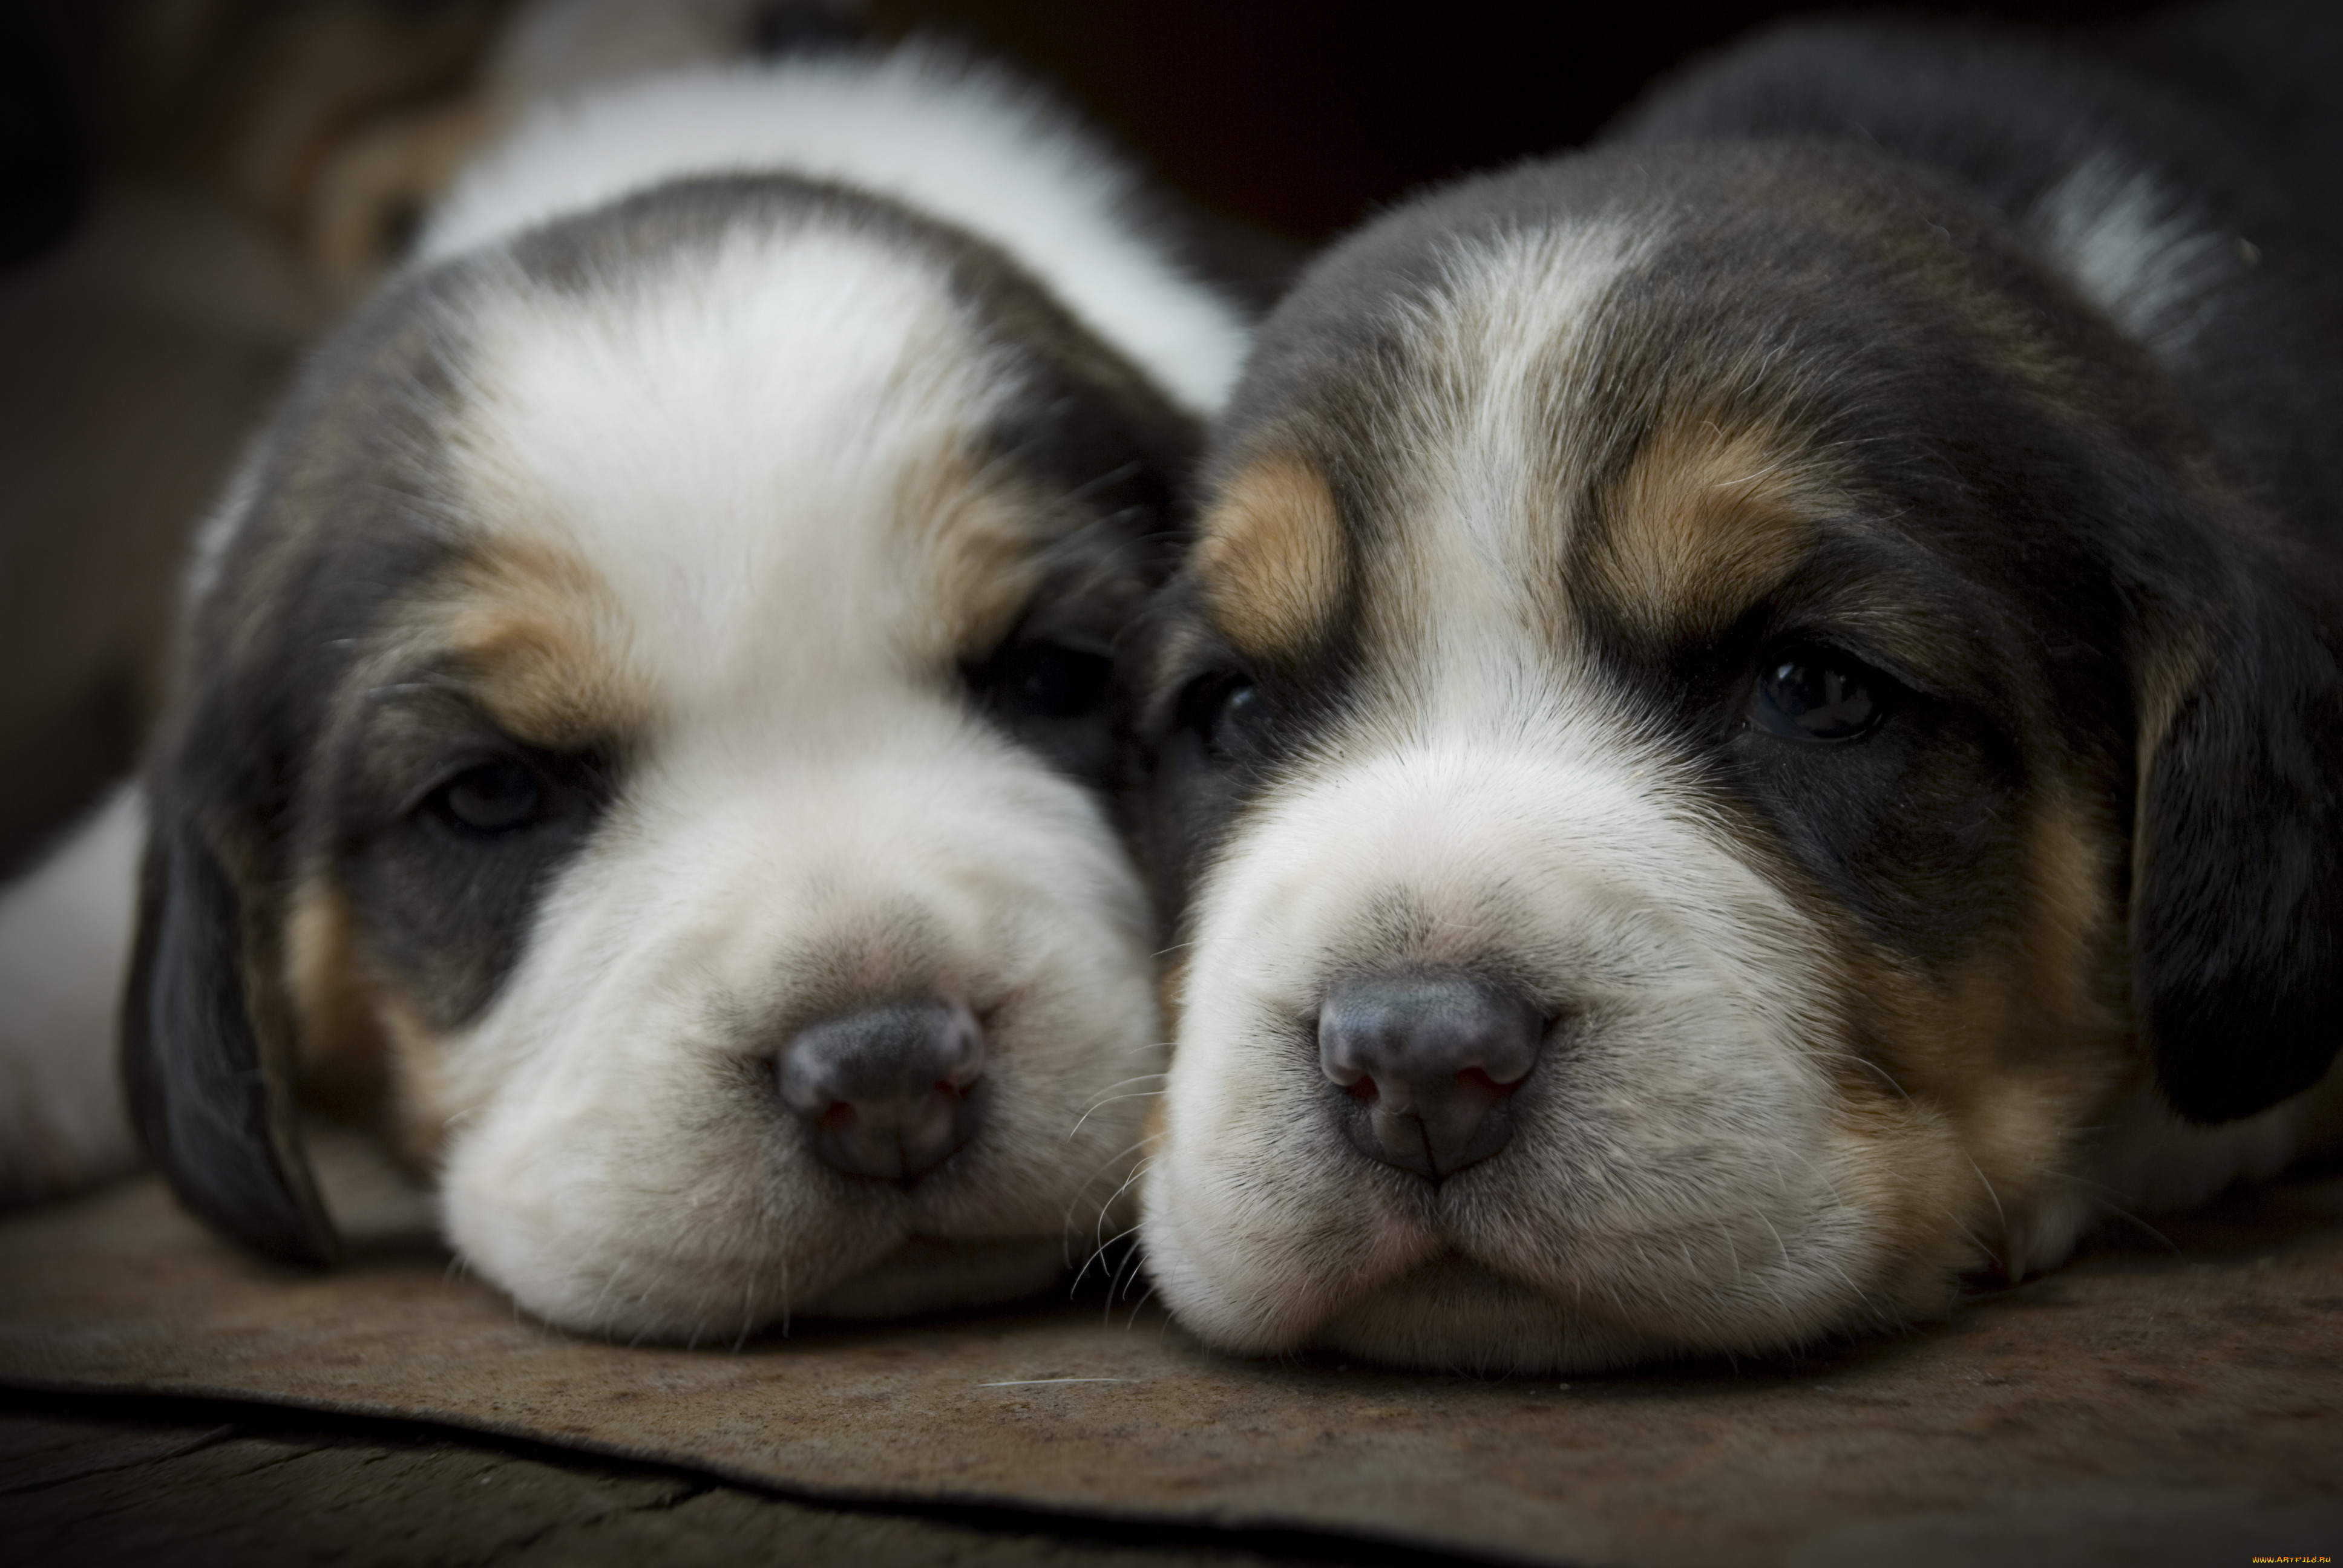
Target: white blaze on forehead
731	452
1478	521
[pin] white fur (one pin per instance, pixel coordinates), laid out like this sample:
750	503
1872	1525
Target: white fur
1674	1166
64	945
955	141
2132	244
727	449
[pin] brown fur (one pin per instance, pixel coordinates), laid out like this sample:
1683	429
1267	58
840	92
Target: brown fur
1703	523
1272	557
2011	1049
333	995
973	530
536	632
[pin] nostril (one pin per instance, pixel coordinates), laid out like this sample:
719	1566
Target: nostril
960	1048
1489	1083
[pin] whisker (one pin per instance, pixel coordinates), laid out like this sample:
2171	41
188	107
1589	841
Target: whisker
1139	1306
1098	1252
1111	1099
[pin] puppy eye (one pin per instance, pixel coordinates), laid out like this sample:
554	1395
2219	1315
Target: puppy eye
1818	694
1050	680
499	796
1225	712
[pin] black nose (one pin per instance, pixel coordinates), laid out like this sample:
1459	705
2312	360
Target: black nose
1428	1064
885	1092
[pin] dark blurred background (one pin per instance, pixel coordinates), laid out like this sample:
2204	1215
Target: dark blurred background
1301	116
191	189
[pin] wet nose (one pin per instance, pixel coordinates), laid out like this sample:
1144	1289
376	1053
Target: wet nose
885	1091
1428	1065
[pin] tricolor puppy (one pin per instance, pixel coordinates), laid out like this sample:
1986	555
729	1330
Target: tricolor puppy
648	727
1754	723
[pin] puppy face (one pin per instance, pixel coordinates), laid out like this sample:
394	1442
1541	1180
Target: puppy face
651	731
1667	753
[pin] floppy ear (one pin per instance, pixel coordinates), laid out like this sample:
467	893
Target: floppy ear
211	1093
2237	892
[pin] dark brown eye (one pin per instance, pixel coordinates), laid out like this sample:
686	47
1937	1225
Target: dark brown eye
495	797
1050	680
1225	712
1818	694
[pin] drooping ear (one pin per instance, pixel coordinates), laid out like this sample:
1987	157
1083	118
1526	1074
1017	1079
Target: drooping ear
209	1080
2237	891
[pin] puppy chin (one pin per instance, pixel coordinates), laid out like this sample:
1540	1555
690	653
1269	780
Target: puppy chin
1452	1315
577	1279
1445	1312
562	1264
930	1274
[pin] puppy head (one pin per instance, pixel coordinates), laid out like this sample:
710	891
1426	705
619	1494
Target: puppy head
650	729
1707	732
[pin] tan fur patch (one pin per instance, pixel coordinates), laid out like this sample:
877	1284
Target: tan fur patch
975	533
1272	558
339	1049
2165	668
1703	524
2009	1050
542	640
423	1101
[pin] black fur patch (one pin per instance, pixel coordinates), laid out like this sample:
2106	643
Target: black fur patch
2230	118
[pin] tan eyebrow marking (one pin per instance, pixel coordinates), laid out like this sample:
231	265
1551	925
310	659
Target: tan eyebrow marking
1272	557
1703	523
972	535
544	640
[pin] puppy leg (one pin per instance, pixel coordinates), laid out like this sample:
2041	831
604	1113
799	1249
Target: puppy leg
65	943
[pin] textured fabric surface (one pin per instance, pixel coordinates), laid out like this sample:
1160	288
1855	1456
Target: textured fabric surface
2153	1403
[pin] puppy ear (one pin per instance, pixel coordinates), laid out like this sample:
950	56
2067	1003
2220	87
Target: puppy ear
210	1092
2237	892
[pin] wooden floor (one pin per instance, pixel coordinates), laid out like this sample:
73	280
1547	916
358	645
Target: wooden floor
97	1482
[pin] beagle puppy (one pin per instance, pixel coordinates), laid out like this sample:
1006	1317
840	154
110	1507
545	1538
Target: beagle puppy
647	734
1754	724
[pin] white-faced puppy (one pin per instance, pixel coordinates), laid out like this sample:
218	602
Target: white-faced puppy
1755	724
647	725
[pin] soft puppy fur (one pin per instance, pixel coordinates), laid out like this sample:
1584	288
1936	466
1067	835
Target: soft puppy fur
647	724
1753	725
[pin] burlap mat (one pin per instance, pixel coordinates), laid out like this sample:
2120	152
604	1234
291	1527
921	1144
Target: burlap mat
2142	1405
